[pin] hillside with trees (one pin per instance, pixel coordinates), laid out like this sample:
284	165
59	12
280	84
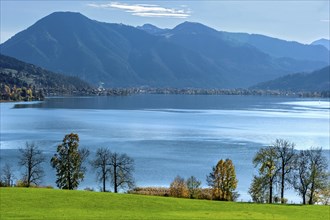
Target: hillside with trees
316	81
23	81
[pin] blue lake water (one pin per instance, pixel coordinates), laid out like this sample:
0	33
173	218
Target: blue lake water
167	135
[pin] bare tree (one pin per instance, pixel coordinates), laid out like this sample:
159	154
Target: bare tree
7	175
31	159
301	176
285	154
101	165
310	174
121	170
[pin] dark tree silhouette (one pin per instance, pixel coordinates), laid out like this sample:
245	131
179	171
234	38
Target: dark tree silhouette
31	159
121	170
285	153
101	164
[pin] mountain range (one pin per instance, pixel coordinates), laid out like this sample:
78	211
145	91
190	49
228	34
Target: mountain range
189	55
272	46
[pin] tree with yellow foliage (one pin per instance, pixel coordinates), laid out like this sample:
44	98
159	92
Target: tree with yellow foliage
223	180
178	188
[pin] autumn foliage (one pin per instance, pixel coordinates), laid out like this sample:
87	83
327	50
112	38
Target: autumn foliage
223	180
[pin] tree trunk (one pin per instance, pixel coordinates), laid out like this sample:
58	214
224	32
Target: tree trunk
311	195
270	190
69	176
103	179
69	180
304	198
29	176
282	185
115	178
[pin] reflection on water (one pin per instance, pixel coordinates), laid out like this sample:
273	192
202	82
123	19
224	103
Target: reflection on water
174	134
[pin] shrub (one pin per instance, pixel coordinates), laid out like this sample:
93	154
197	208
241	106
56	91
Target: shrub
89	189
178	188
153	191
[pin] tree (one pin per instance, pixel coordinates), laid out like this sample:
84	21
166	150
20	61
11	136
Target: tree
318	168
31	159
324	195
121	170
101	165
266	159
193	185
310	174
68	162
223	180
285	154
178	188
7	175
301	176
258	189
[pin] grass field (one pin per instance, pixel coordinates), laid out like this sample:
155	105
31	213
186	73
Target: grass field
22	203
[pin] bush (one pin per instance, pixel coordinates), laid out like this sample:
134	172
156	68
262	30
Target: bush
89	189
178	188
193	185
21	183
206	193
153	191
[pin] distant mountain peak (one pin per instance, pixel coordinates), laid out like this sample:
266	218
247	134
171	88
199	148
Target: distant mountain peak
323	42
151	29
65	13
193	27
64	17
148	26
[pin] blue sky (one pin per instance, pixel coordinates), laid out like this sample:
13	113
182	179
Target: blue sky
302	21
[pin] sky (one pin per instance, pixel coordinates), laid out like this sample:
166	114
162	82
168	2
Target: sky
303	21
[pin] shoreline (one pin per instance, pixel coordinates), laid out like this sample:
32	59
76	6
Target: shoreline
190	92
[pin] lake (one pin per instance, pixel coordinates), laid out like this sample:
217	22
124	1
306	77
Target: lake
167	135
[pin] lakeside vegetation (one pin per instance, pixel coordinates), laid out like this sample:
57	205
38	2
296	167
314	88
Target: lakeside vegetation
279	165
14	93
30	203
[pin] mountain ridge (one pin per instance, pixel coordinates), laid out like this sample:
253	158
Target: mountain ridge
322	42
316	81
261	42
124	56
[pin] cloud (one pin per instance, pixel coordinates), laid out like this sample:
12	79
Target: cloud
146	10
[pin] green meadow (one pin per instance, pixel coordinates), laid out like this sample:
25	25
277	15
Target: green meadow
33	203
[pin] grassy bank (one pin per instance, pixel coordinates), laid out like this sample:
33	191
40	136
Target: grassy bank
22	203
